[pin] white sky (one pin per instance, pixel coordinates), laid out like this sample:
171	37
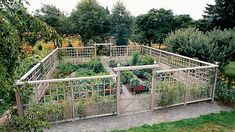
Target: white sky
194	8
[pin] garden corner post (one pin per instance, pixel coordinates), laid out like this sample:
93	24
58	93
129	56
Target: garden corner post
18	101
153	86
215	80
72	100
186	87
118	89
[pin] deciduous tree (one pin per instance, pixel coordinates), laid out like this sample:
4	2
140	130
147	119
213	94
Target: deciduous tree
91	20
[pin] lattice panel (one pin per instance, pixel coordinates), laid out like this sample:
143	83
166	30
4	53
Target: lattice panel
43	69
200	84
183	86
78	52
169	90
94	97
132	49
171	60
119	51
72	99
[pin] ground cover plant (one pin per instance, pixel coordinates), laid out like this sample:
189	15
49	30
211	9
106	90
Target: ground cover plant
221	122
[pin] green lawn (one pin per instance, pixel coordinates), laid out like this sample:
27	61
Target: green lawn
221	122
230	70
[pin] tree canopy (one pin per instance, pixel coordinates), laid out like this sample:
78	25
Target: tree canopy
91	20
121	23
55	18
221	15
154	26
16	28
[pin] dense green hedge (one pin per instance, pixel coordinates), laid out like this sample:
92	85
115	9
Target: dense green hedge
216	45
225	91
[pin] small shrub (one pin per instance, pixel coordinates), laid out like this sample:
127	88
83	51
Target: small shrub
147	76
143	73
145	60
139	89
169	93
126	76
66	69
225	91
147	86
125	63
134	82
139	73
81	109
96	65
198	91
83	72
112	63
135	58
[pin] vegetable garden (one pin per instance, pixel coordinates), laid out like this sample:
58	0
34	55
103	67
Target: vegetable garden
75	83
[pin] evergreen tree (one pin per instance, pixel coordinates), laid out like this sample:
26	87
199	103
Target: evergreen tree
222	14
121	23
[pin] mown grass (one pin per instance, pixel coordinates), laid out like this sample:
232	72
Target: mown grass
230	70
221	122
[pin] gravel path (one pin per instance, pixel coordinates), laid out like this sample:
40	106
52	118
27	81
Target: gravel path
126	121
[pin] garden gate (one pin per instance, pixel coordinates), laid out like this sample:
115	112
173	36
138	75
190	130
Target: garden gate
103	49
132	101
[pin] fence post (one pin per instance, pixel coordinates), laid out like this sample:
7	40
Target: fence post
153	86
18	101
127	50
118	89
76	52
186	87
95	51
159	59
215	80
110	52
72	99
